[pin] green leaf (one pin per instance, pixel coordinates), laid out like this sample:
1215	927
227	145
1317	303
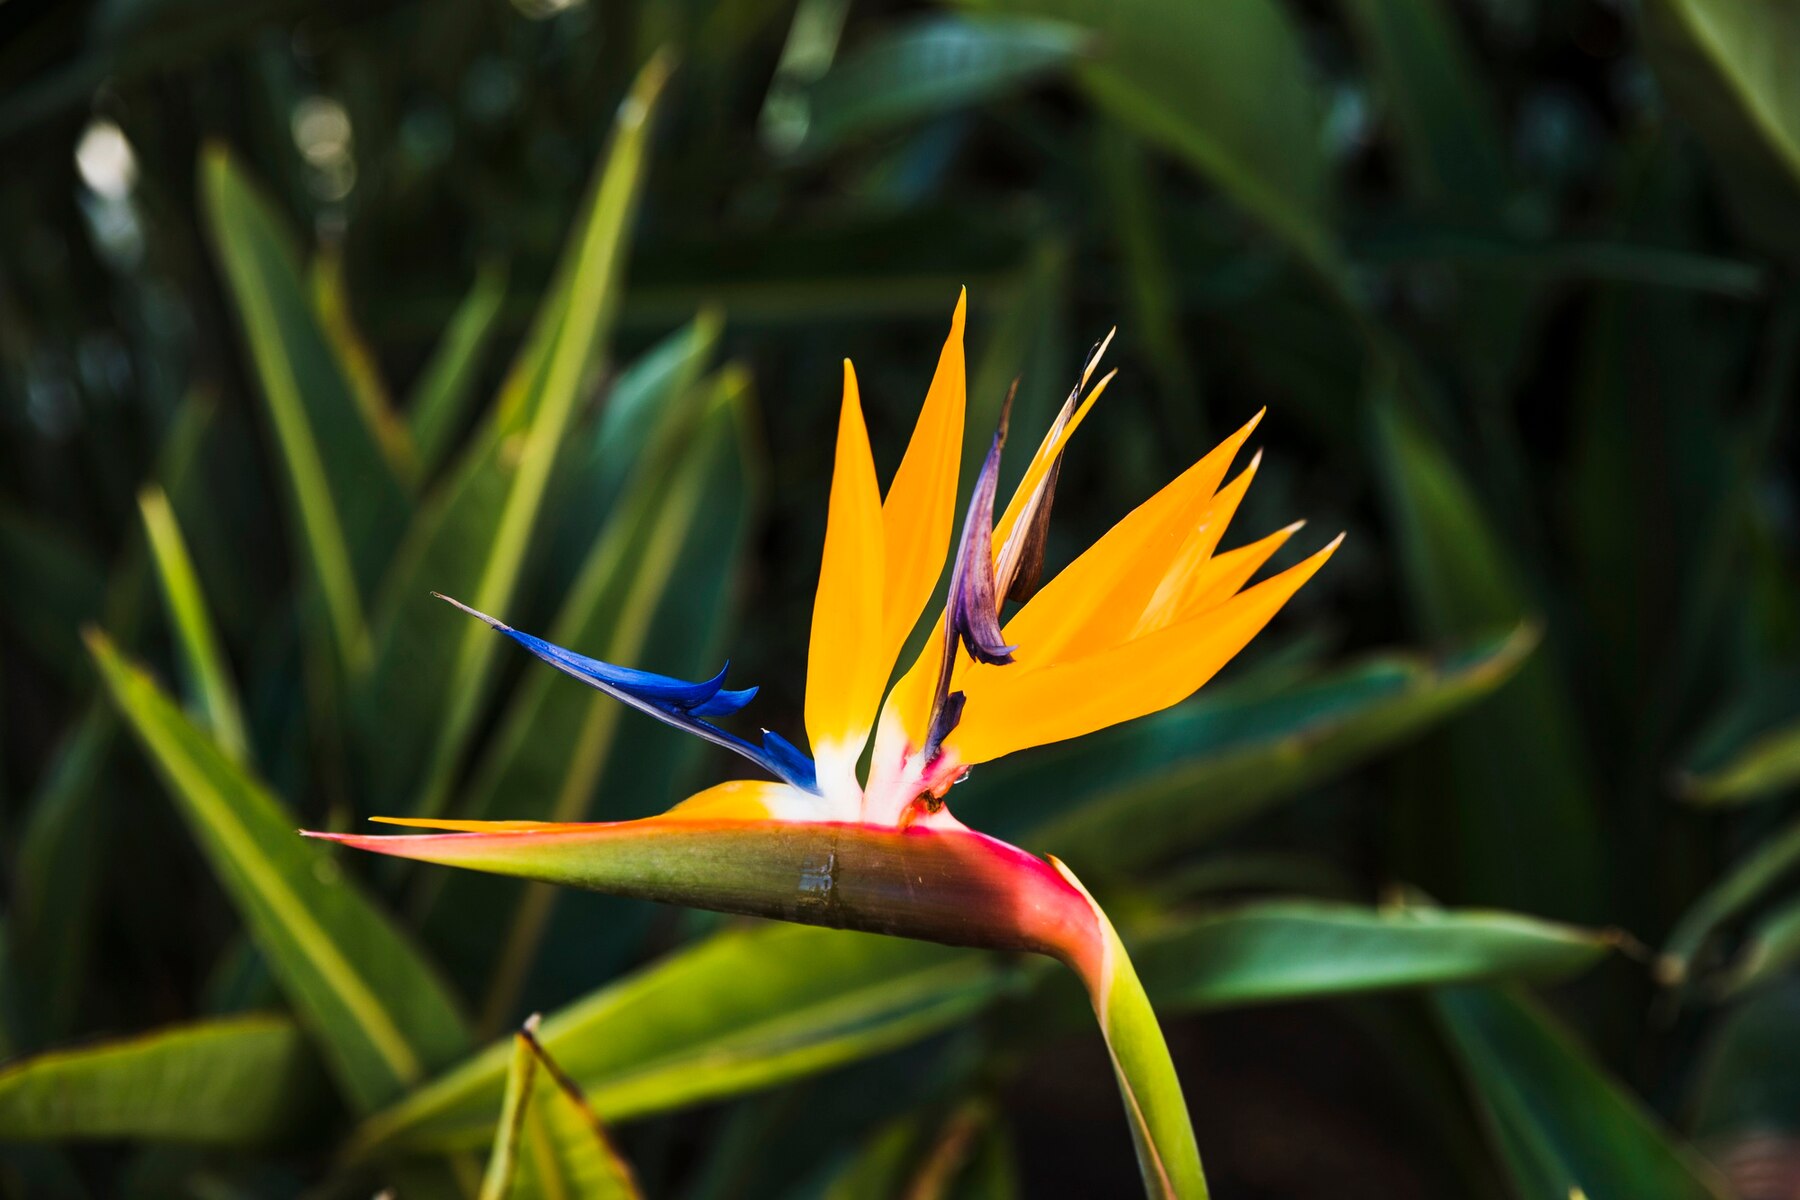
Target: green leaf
201	655
1452	147
356	361
1766	767
934	1153
1728	68
558	742
378	1013
1562	1126
1219	759
1227	87
1522	830
744	1009
230	1082
1742	884
345	505
1748	1083
566	1151
431	673
929	66
1770	948
1289	950
56	583
447	385
515	1099
59	866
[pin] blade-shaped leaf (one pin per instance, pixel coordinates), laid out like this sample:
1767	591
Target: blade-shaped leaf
379	1014
56	580
1451	143
471	542
1748	1083
1523	827
345	505
59	868
1741	886
1561	1125
356	361
515	1100
1771	946
930	66
1728	68
565	1150
447	385
1767	766
1223	757
228	1082
1290	950
742	1010
1225	86
203	659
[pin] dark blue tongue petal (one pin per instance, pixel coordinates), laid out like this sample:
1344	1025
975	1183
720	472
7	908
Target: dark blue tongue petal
678	702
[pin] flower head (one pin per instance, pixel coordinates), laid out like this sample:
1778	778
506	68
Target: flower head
1136	623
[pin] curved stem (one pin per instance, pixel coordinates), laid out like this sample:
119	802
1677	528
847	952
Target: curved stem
1167	1153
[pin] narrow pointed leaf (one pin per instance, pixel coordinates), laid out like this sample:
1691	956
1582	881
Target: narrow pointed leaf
567	1152
1195	80
202	656
1727	69
932	66
59	868
430	677
515	1099
231	1082
1449	131
1737	889
1561	1125
345	505
356	361
380	1016
447	384
1766	767
1524	827
742	1010
1748	1081
1771	947
1296	949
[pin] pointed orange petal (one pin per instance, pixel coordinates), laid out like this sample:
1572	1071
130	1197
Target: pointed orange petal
920	511
1224	574
1010	708
845	670
1096	600
1196	550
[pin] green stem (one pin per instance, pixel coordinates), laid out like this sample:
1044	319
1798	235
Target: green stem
1164	1136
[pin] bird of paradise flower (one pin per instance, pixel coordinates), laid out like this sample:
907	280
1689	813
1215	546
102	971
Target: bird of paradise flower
1133	625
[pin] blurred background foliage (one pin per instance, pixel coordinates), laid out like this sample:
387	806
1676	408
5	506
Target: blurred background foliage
307	309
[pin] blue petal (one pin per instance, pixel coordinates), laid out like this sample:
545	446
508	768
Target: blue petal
795	767
673	701
646	684
724	703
